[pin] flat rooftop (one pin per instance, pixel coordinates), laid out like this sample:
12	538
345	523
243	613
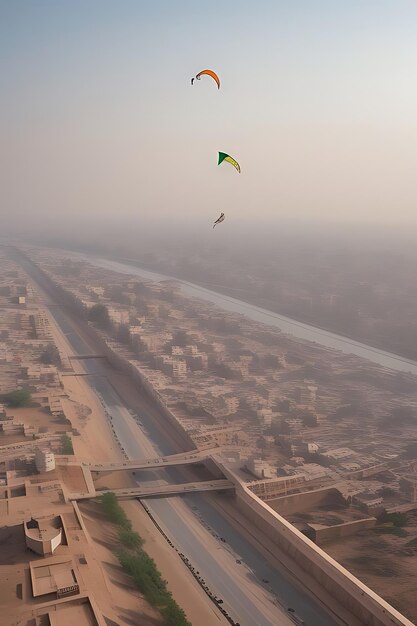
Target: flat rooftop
43	528
51	574
70	613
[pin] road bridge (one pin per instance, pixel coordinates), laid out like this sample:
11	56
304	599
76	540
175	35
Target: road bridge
159	490
184	458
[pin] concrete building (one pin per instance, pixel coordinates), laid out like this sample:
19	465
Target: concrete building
268	489
44	534
369	502
9	427
179	368
219	406
118	316
45	374
49	374
98	291
322	534
41	326
55	405
173	366
314	471
408	485
337	454
44	460
195	359
205	438
260	468
155	341
232	404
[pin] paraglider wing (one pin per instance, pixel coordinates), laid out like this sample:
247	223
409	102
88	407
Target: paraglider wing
226	157
219	219
209	73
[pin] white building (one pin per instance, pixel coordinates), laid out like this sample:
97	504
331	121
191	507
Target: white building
44	460
261	468
43	534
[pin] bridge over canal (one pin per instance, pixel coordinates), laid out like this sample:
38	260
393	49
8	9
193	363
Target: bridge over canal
155	491
184	458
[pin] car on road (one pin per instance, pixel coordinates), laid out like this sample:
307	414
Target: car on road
296	618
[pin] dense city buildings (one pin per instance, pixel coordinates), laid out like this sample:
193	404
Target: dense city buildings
324	438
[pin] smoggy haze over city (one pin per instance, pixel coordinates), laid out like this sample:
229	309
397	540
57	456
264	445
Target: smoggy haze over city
98	118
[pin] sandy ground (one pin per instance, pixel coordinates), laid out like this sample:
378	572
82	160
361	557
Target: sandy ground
181	583
187	592
200	612
129	605
381	563
96	443
36	416
85	411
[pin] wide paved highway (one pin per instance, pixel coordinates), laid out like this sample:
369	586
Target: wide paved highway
196	528
232	569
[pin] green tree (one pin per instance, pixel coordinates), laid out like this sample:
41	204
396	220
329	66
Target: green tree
130	539
180	338
140	566
99	314
271	361
116	293
283	406
396	519
66	445
174	615
309	419
50	356
18	397
123	334
114	511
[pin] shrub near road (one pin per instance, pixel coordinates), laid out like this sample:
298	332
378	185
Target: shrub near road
66	445
140	566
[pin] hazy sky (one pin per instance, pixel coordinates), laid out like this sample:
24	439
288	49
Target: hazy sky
318	104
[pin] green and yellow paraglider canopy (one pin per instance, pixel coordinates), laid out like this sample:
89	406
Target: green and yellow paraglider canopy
226	157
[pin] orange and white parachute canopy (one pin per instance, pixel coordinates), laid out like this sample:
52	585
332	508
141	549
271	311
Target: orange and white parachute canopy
209	73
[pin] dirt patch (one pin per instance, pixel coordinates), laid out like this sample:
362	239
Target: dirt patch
383	564
12	545
38	417
73	478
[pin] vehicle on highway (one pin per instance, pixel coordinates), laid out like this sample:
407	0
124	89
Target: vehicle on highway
296	618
